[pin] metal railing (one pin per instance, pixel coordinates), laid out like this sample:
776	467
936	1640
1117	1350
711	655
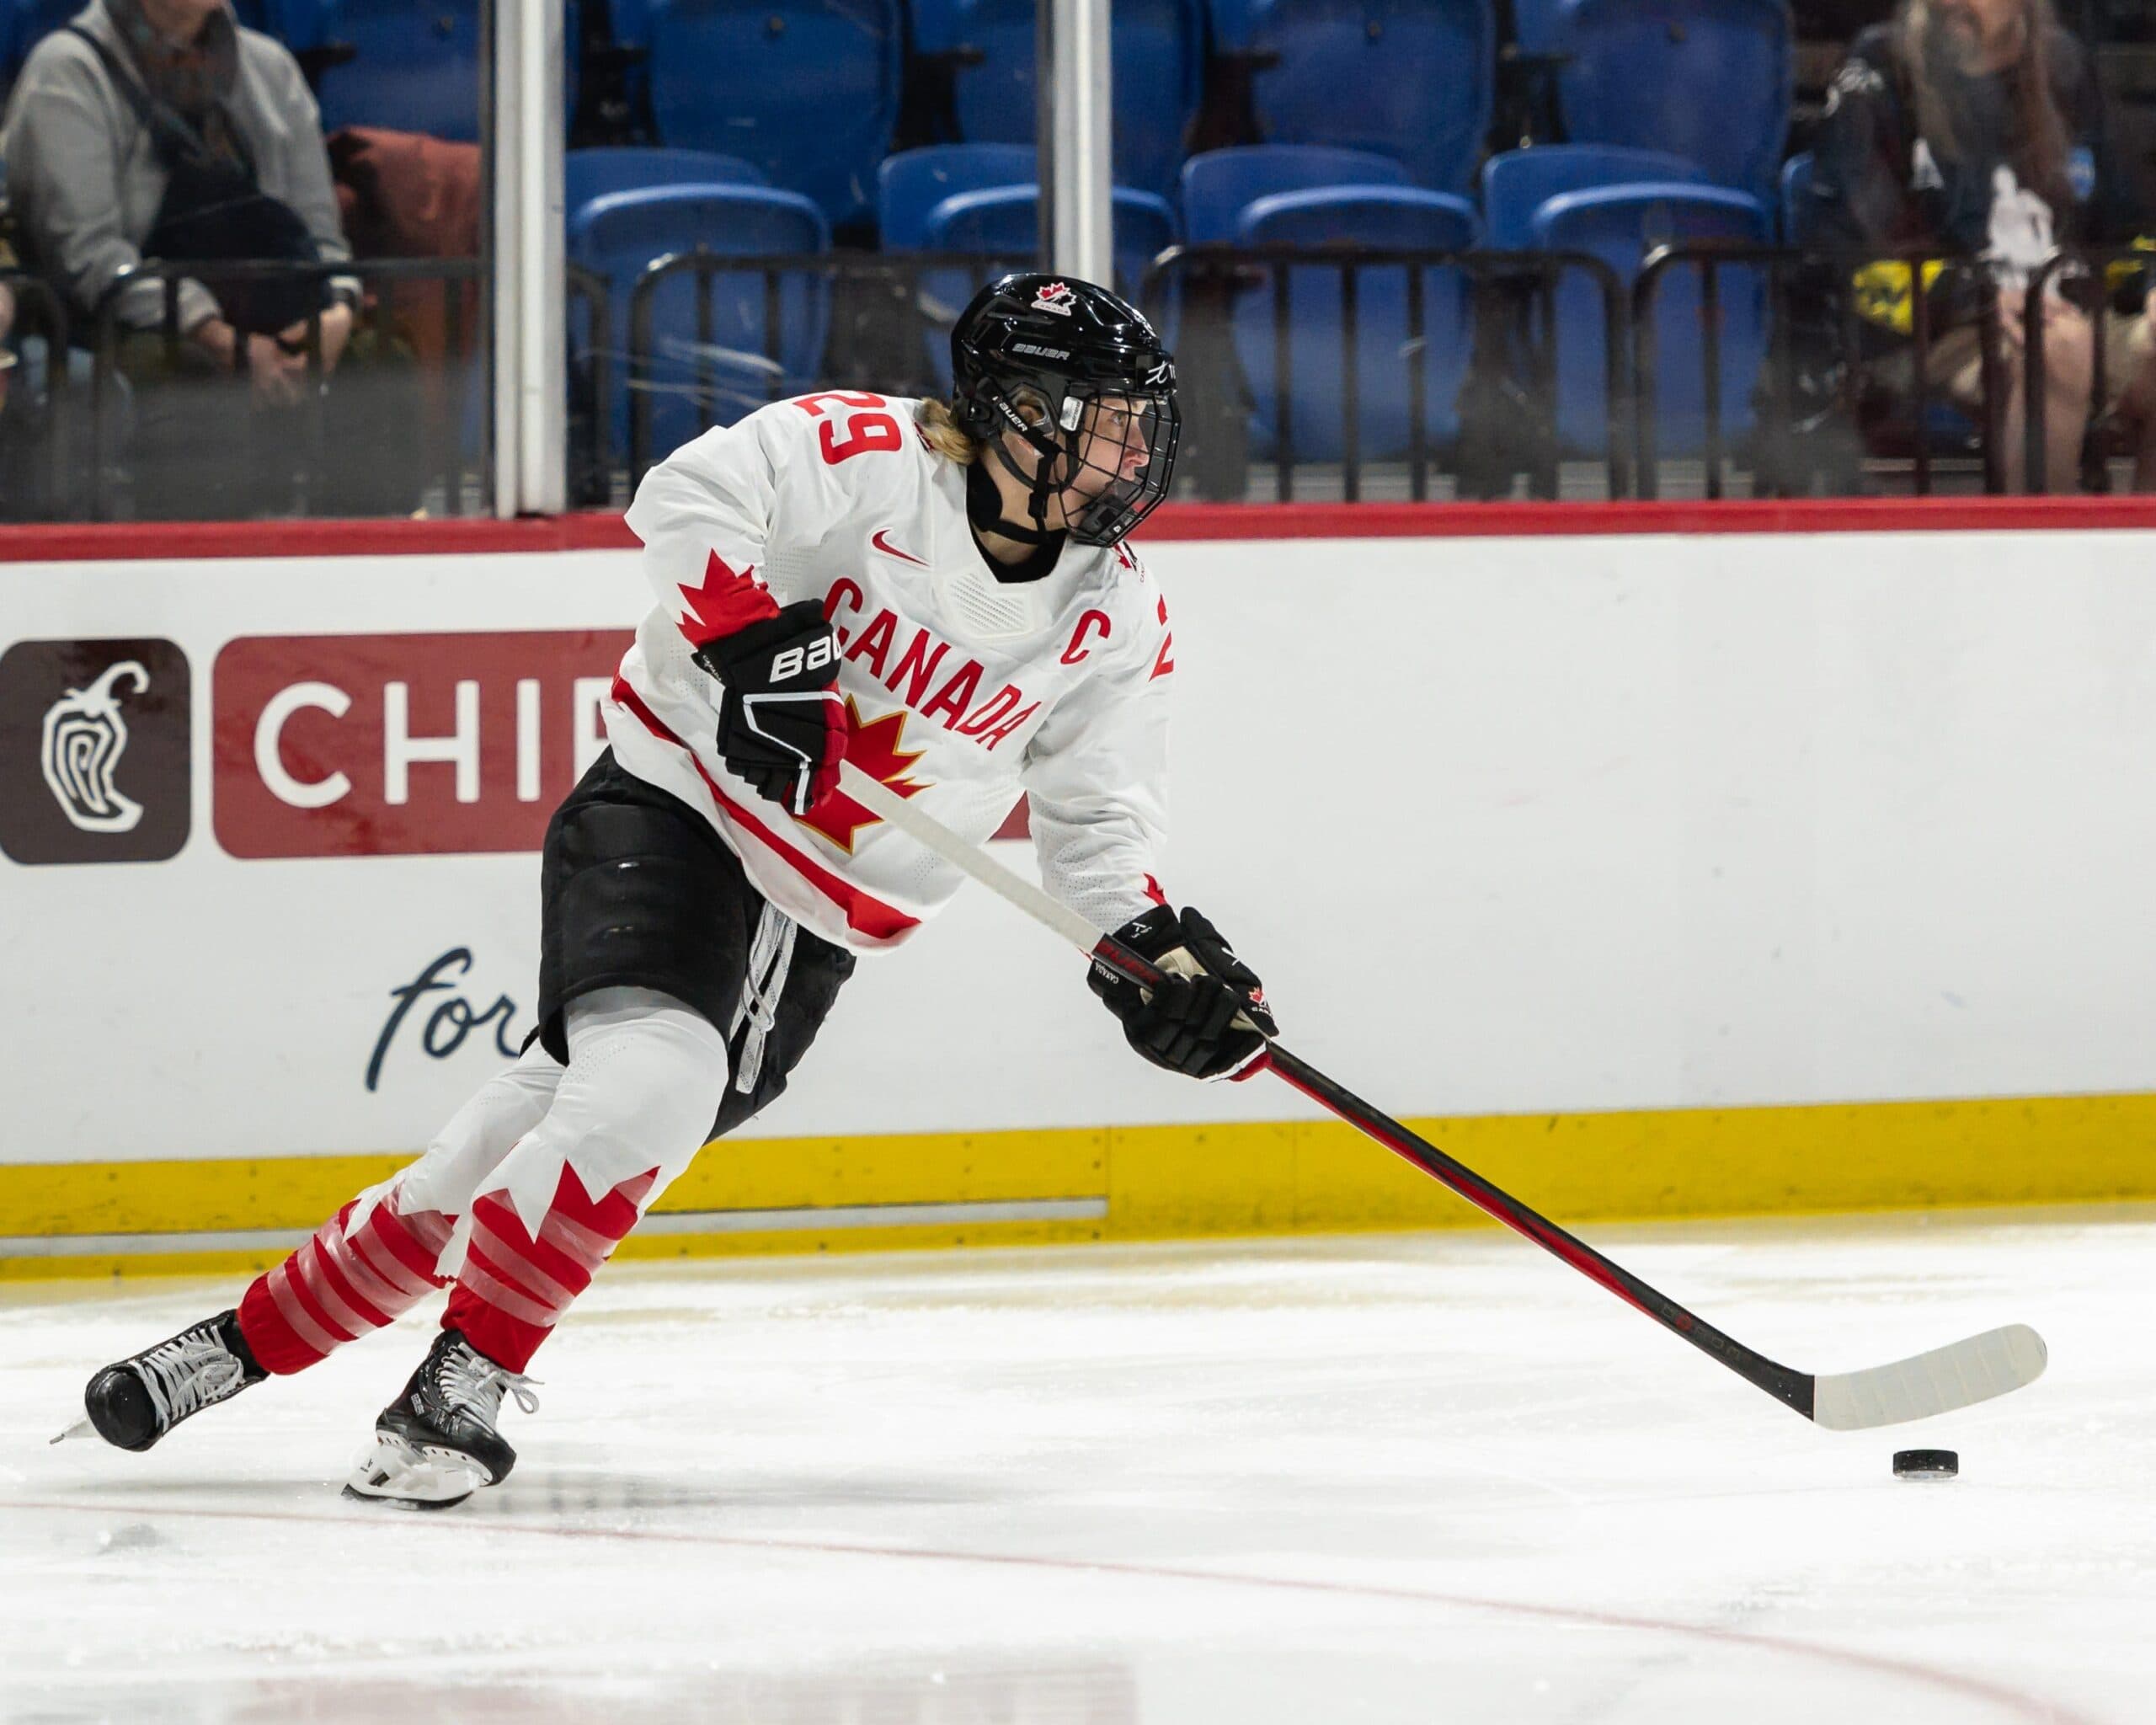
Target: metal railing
1189	285
876	320
386	284
1872	396
886	293
1826	280
1806	291
40	312
907	302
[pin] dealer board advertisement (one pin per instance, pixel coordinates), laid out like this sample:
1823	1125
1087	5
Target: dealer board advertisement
1507	826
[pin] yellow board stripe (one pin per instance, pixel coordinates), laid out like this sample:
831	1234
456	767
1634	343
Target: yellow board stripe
1176	1182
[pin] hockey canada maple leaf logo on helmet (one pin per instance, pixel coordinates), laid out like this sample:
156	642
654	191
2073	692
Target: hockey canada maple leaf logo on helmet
1053	296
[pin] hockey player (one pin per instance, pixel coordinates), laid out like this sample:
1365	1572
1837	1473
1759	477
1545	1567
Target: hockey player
939	592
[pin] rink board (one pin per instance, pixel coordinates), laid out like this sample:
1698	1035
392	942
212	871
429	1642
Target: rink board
1139	1182
1702	875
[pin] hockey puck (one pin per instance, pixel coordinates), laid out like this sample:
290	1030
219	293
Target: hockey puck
1926	1463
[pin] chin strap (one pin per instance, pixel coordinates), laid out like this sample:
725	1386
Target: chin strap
985	502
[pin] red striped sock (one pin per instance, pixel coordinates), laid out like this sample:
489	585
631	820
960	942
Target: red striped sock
343	1283
515	1286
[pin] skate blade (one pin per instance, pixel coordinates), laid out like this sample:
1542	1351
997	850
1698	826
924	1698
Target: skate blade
80	1428
390	1471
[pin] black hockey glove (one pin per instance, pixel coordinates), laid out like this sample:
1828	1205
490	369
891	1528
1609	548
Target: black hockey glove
1200	1021
781	725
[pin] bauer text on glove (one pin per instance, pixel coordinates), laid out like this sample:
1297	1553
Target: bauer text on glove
782	724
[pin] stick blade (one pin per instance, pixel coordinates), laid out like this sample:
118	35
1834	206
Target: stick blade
1958	1375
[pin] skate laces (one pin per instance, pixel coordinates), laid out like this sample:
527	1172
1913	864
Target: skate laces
187	1373
474	1384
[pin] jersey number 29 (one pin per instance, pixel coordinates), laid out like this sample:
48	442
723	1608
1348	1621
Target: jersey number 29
859	433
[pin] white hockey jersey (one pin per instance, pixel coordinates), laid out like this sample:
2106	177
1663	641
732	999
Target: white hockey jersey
964	692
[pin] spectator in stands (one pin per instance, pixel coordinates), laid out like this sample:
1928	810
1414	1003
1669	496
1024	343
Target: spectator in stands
1977	126
161	128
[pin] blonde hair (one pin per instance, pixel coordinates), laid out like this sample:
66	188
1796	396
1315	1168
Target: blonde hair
945	435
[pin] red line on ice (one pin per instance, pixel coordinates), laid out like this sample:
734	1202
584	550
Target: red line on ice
2017	1703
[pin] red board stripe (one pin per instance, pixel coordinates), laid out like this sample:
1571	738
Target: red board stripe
137	543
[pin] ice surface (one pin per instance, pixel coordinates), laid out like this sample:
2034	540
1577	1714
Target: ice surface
1381	1479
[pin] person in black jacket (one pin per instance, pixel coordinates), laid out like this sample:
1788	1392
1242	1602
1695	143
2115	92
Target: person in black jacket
1977	127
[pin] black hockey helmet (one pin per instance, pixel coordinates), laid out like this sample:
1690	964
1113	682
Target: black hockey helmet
1032	353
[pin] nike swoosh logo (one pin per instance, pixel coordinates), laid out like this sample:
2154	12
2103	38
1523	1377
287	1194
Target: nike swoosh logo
881	544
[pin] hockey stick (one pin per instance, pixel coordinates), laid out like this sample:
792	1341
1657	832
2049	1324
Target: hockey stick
1964	1372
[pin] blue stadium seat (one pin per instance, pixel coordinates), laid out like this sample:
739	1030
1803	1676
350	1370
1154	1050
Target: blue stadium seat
911	183
807	90
1156	52
1412	79
1001	225
1518	182
417	67
1219	185
1706	79
618	234
1391	216
592	174
1005	220
414	68
1619	225
298	23
1796	199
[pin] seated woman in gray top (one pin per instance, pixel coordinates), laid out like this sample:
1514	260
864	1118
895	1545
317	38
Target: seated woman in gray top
161	128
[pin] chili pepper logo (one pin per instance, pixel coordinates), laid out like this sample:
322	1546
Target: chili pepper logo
85	735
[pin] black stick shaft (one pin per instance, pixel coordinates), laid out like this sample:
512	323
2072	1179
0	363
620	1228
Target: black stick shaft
1793	1388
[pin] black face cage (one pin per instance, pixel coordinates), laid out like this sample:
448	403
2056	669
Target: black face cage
1085	440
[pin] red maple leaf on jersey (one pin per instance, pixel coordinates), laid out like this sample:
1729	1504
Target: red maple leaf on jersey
872	747
727	600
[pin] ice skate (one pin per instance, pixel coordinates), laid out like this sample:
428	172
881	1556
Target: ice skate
435	1444
135	1401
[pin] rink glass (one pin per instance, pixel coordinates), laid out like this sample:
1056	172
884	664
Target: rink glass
1667	304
